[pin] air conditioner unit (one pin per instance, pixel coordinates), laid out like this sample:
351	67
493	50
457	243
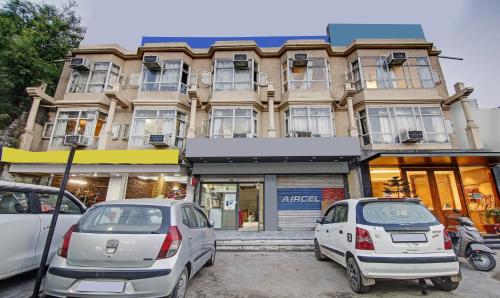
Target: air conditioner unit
395	58
160	140
79	140
240	61
300	59
80	63
151	62
239	135
302	134
411	136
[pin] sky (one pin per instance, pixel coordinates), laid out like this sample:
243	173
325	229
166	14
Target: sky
469	29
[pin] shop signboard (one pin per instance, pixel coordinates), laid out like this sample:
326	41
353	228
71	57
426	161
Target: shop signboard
307	198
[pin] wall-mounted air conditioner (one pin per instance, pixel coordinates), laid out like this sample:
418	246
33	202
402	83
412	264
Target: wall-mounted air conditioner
300	59
240	61
240	135
395	58
79	140
160	140
151	61
301	134
411	136
80	63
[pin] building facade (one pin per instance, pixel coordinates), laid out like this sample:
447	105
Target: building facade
263	132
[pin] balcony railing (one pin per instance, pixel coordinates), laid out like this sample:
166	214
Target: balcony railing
163	87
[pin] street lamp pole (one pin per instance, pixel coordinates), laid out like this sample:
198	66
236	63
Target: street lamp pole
43	263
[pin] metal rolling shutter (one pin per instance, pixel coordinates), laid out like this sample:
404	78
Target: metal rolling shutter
300	199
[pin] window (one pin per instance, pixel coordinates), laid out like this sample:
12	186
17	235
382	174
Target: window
202	219
309	122
328	218
189	215
14	202
86	123
123	219
101	76
227	77
395	213
374	73
168	122
233	123
341	213
383	125
48	204
313	76
172	76
47	130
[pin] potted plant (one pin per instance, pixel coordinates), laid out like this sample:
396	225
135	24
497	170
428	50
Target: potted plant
493	213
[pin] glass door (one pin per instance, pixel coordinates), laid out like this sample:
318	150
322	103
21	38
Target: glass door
219	200
421	188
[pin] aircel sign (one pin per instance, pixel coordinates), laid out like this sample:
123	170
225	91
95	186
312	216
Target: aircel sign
300	198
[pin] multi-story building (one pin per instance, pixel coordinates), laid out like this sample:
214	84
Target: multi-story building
262	132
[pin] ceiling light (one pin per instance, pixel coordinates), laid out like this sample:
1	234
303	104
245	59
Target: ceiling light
381	171
75	181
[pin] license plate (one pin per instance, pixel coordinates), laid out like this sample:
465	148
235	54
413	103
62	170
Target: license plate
413	237
101	286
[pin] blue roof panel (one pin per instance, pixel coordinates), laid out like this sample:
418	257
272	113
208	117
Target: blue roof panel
344	34
206	42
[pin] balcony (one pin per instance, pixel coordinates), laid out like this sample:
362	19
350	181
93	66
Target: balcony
162	93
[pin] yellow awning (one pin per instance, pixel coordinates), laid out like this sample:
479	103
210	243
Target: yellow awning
133	157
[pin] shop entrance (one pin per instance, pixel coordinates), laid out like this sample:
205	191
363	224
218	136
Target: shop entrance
234	206
439	190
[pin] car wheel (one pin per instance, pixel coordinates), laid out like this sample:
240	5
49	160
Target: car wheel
181	286
211	261
482	261
354	276
444	283
317	251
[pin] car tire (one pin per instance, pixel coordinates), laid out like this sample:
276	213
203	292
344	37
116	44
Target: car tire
211	261
181	286
355	277
482	261
317	252
444	283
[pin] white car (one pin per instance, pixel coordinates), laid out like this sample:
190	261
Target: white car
25	215
132	248
389	239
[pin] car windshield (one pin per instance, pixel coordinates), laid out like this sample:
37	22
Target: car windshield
125	219
395	213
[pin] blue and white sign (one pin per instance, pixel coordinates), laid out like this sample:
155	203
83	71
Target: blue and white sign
300	198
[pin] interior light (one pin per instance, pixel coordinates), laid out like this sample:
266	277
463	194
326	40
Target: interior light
384	171
75	181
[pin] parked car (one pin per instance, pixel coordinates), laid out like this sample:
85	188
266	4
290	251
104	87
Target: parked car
387	238
25	215
132	248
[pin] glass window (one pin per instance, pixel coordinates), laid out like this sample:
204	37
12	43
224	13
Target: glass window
85	123
233	123
383	125
14	202
47	130
382	213
190	214
167	122
202	219
328	218
309	122
48	204
313	76
227	77
102	76
341	214
124	219
172	76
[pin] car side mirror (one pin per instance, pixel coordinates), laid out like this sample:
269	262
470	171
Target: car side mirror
319	220
211	223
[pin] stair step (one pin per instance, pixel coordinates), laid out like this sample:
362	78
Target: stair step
491	236
265	245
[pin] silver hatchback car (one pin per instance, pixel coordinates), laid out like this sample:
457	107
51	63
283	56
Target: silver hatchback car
134	248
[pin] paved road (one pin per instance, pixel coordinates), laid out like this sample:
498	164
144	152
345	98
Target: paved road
292	274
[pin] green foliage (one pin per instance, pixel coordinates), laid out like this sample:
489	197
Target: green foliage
398	186
34	40
493	213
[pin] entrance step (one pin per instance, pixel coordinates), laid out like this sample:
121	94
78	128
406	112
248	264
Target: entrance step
492	241
266	245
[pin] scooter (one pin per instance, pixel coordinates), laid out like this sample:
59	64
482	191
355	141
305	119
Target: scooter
469	244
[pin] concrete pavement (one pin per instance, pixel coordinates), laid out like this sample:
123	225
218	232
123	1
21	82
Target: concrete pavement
292	274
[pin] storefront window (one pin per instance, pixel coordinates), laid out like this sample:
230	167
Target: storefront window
380	177
479	195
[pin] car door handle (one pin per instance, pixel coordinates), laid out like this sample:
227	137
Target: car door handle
189	237
341	232
327	231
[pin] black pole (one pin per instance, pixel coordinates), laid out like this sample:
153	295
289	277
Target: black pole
43	263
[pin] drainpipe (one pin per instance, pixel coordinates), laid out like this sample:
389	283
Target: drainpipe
271	130
192	119
353	129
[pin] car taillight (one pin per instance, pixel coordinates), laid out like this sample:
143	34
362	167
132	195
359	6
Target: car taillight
171	243
63	249
447	240
363	240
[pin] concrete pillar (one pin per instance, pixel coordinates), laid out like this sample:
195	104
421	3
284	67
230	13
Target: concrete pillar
271	130
270	203
117	187
27	137
472	129
353	128
107	133
192	119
